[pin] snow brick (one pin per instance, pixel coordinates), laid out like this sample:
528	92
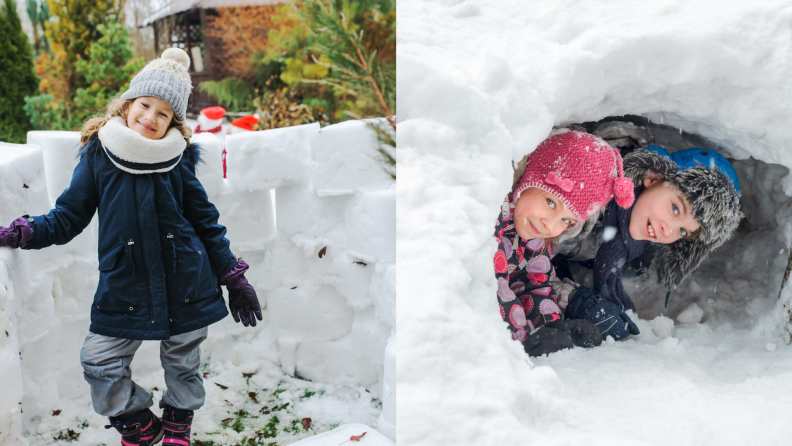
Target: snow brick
345	160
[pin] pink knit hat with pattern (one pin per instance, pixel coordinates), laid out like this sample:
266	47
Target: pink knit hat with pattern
582	170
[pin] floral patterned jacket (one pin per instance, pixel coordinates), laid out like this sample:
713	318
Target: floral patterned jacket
523	270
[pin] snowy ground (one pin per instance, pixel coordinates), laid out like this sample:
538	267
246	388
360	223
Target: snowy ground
480	85
254	404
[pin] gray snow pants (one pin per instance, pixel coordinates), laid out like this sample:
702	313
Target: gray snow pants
106	360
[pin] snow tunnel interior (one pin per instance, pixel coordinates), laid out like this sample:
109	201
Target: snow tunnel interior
739	284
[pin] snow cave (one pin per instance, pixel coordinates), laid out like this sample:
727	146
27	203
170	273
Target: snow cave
480	86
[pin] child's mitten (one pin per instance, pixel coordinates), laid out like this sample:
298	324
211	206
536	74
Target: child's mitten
17	235
611	320
549	338
584	333
242	299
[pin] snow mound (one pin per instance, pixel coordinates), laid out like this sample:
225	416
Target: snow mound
480	86
691	315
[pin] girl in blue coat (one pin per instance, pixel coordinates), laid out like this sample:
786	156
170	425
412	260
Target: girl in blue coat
162	253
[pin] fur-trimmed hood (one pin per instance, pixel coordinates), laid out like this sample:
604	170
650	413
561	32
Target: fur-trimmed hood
715	203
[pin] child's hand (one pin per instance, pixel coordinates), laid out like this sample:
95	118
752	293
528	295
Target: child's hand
17	235
243	302
242	299
611	320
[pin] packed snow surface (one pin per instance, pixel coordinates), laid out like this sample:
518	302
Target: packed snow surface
481	84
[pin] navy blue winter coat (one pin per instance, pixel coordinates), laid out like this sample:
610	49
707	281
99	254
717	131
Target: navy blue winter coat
161	249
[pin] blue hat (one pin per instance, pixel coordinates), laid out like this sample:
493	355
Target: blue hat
700	157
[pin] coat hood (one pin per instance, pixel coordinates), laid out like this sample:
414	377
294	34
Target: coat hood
715	203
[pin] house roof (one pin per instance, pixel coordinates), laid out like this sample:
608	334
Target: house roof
177	6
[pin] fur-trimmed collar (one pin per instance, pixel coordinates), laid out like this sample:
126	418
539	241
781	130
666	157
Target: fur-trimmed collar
134	153
715	203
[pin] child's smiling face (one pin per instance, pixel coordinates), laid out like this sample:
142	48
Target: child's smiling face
149	116
661	213
540	214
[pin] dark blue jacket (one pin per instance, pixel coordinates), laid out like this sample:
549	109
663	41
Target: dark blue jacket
161	249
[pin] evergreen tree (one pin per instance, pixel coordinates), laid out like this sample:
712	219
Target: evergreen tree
39	17
106	72
355	69
17	78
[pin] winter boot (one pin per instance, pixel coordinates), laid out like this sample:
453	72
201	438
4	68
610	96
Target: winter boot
584	333
549	338
177	423
141	429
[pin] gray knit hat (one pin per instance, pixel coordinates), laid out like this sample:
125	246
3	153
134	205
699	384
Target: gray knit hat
165	78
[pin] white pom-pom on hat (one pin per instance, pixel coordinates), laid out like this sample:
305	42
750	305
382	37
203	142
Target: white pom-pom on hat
178	55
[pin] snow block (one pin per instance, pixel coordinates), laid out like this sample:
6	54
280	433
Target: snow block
387	419
345	159
11	392
336	362
286	264
369	335
60	158
248	216
371	226
309	311
269	159
210	171
343	433
353	280
309	219
383	292
23	184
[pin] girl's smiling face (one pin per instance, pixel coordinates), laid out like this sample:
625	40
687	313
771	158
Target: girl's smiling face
661	213
150	117
540	214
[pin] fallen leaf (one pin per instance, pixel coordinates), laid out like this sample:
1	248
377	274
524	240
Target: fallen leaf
56	412
252	396
354	438
226	420
25	186
322	252
307	423
156	389
205	374
293	287
361	263
248	375
221	386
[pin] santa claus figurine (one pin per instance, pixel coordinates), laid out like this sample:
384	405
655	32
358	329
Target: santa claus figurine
243	124
211	120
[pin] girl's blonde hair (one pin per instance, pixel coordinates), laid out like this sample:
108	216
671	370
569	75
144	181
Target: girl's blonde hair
120	107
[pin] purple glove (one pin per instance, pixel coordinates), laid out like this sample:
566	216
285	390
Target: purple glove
242	299
17	235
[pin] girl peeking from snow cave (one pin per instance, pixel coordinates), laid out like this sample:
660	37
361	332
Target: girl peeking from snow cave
567	179
162	253
686	202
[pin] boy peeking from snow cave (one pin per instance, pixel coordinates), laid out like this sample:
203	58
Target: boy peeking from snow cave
162	253
686	202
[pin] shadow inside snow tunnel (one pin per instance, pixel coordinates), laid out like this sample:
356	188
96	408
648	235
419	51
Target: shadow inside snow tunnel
739	284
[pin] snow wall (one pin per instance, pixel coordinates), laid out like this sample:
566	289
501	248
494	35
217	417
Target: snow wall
323	269
480	86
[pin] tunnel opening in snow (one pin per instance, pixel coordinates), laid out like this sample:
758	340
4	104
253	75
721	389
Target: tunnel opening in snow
740	283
